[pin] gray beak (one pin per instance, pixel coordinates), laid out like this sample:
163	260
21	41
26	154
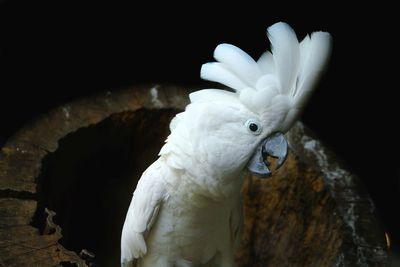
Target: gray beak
275	146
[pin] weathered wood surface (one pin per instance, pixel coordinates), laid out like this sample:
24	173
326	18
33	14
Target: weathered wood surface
22	244
311	213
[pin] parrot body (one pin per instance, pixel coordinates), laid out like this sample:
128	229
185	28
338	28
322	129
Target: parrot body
186	210
191	229
198	219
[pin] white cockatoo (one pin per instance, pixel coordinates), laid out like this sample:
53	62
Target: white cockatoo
187	209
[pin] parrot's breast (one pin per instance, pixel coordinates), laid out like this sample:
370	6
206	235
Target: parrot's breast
191	227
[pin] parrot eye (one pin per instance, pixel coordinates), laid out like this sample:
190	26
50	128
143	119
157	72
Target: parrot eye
253	126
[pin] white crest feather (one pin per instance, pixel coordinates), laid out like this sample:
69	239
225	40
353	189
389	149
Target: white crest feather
209	95
218	72
314	53
286	51
266	63
239	62
291	70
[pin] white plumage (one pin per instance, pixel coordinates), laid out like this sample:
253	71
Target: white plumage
291	70
186	209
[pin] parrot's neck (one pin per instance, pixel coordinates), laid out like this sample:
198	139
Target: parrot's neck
208	181
213	171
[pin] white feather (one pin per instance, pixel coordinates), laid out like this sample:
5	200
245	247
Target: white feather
142	213
212	95
256	101
218	72
304	55
285	50
267	81
266	63
292	68
315	52
239	62
314	55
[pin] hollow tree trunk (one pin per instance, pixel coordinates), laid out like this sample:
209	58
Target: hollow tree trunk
66	181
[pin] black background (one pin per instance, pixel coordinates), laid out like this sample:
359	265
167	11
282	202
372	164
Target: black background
53	53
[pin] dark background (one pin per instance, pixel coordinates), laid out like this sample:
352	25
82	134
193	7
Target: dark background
54	53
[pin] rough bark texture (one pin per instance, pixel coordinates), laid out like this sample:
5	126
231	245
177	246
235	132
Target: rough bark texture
289	220
79	164
311	213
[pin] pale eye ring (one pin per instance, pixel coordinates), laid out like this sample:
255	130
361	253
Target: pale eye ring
253	126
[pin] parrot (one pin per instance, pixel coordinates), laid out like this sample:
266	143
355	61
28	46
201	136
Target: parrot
186	210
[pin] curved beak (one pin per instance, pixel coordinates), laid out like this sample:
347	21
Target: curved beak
274	146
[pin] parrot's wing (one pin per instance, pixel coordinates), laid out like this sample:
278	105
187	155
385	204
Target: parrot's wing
141	215
236	222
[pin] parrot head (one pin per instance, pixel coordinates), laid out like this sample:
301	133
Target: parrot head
229	130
